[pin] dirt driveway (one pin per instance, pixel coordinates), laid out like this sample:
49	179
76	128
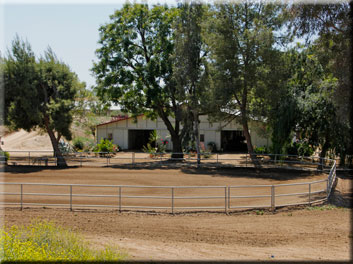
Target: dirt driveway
289	234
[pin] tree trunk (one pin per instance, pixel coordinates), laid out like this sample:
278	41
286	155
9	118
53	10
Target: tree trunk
174	133
197	136
248	142
61	162
323	155
177	148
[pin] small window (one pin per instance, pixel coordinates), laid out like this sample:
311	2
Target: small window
202	138
110	136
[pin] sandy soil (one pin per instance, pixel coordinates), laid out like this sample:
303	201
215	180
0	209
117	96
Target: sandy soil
208	178
23	140
288	234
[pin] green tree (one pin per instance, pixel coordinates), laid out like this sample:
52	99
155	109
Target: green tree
89	111
332	25
39	93
313	89
244	43
134	67
190	69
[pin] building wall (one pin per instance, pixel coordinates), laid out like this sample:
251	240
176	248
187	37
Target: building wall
211	131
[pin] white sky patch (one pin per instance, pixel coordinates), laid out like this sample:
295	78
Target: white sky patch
85	2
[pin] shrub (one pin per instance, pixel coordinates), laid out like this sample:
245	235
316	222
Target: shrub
43	241
212	146
78	144
155	144
261	150
5	154
107	146
64	147
301	148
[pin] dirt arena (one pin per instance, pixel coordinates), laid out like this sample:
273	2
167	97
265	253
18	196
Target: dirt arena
322	233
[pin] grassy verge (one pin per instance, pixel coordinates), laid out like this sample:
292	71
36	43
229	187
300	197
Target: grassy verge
44	241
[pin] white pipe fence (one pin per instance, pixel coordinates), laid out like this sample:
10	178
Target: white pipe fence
223	198
47	158
224	193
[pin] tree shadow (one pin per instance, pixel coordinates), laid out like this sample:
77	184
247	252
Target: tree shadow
23	169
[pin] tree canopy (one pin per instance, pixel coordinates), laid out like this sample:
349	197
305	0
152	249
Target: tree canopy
134	67
163	62
39	93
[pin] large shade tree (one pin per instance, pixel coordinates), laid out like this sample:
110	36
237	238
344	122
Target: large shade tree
39	93
244	40
331	24
134	67
191	70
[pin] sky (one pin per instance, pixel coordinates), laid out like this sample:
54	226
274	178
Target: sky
70	28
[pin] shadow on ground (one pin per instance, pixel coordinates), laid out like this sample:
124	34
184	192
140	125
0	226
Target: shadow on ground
212	169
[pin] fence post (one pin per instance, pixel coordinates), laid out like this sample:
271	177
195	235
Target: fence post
133	157
275	158
327	188
29	158
172	200
21	197
70	197
81	160
228	197
119	199
217	158
310	194
273	205
246	162
225	200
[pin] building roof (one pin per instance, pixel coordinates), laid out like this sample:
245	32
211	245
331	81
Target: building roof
117	119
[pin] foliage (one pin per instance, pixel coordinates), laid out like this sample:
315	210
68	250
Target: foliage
78	144
65	148
44	241
39	93
301	148
156	144
89	111
134	67
332	23
323	207
190	69
5	154
212	146
244	40
107	146
261	150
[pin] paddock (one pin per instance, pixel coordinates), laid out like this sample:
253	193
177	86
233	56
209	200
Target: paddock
162	189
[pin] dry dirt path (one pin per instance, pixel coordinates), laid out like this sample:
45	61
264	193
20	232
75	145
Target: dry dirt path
287	235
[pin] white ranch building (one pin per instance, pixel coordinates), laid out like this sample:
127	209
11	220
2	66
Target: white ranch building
132	134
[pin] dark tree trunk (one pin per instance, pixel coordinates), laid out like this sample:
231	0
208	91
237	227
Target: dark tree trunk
61	162
248	141
174	133
197	136
323	155
177	148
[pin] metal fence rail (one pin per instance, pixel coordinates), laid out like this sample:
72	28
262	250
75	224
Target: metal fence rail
226	197
225	194
47	158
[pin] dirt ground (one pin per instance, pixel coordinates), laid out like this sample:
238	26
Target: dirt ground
287	235
322	233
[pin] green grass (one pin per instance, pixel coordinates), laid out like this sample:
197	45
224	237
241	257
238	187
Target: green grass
44	241
322	207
